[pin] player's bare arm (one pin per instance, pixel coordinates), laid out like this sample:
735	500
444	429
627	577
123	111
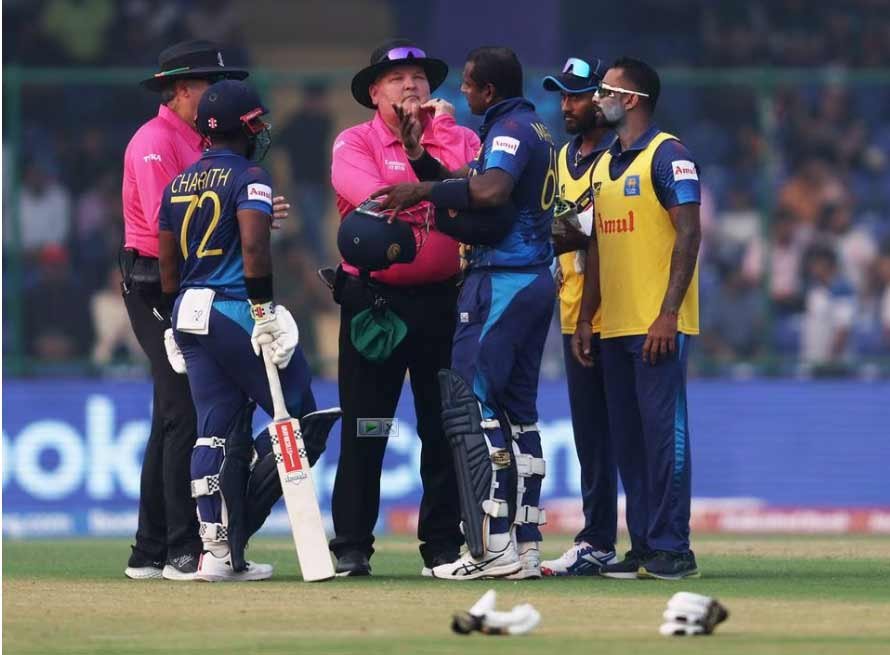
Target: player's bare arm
662	336
168	261
568	238
491	189
590	302
255	243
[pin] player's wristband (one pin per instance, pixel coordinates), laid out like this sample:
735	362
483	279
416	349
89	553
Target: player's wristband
262	311
259	289
426	167
451	194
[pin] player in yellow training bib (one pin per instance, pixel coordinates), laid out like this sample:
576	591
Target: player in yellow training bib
642	274
594	545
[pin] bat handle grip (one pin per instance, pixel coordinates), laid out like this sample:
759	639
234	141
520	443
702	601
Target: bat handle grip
279	407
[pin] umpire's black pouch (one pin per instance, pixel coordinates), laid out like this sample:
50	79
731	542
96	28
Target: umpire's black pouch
140	274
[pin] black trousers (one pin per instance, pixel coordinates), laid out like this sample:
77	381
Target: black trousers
371	390
168	524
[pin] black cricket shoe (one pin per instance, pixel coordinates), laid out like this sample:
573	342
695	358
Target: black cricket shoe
664	565
142	567
627	568
184	567
353	563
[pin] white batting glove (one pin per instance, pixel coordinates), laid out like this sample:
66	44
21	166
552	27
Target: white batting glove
174	354
274	326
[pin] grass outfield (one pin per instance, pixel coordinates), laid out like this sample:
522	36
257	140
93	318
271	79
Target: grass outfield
801	595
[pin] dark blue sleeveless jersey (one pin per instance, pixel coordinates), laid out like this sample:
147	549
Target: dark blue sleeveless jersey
200	208
515	140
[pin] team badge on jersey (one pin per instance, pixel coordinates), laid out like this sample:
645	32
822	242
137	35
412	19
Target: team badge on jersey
632	185
596	189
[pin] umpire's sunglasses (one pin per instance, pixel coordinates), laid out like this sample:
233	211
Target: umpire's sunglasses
608	91
404	52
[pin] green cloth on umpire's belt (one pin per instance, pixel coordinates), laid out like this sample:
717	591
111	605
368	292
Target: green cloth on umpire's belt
376	332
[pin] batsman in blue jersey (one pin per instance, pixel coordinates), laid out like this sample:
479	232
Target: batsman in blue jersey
501	208
216	274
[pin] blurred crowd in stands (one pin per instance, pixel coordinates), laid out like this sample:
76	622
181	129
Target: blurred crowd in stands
795	264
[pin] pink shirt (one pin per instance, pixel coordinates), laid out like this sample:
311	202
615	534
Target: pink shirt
160	150
369	156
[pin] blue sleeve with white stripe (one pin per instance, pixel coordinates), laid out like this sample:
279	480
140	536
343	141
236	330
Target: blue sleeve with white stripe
256	190
675	175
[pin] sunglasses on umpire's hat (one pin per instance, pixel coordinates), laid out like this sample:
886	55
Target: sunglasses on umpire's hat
396	52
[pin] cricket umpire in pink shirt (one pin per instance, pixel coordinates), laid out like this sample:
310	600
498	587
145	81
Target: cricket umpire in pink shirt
167	541
422	293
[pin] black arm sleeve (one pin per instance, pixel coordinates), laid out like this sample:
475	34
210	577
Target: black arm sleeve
428	168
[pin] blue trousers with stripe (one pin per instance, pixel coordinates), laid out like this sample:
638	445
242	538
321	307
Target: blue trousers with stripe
224	373
590	425
502	323
650	431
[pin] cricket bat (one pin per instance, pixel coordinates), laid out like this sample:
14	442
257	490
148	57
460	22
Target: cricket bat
297	487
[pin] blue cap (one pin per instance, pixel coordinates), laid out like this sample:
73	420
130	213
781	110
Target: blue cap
227	106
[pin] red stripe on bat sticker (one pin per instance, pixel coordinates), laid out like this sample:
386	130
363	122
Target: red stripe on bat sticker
287	444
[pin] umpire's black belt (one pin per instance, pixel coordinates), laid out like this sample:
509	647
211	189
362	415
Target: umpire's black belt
391	290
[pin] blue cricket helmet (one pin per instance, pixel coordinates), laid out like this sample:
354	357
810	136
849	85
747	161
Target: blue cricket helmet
228	106
367	240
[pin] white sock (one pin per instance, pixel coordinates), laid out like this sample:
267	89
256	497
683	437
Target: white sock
498	542
219	549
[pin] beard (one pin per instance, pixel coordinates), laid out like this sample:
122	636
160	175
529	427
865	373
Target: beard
585	123
613	114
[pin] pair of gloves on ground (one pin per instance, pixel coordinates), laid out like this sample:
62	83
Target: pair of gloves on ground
274	327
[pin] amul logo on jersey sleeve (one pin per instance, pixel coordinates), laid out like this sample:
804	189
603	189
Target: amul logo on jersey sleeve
684	170
261	192
505	144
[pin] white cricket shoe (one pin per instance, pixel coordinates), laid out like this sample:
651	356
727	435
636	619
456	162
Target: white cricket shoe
580	559
143	572
219	569
530	560
499	560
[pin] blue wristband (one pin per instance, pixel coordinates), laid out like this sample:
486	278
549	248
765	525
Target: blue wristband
451	194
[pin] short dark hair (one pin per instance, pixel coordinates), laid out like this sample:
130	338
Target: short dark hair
168	92
643	76
499	67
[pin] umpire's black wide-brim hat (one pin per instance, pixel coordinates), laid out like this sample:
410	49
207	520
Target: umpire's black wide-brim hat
191	59
396	52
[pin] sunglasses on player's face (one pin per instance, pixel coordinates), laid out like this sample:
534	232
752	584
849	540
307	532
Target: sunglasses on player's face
608	91
577	67
405	52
